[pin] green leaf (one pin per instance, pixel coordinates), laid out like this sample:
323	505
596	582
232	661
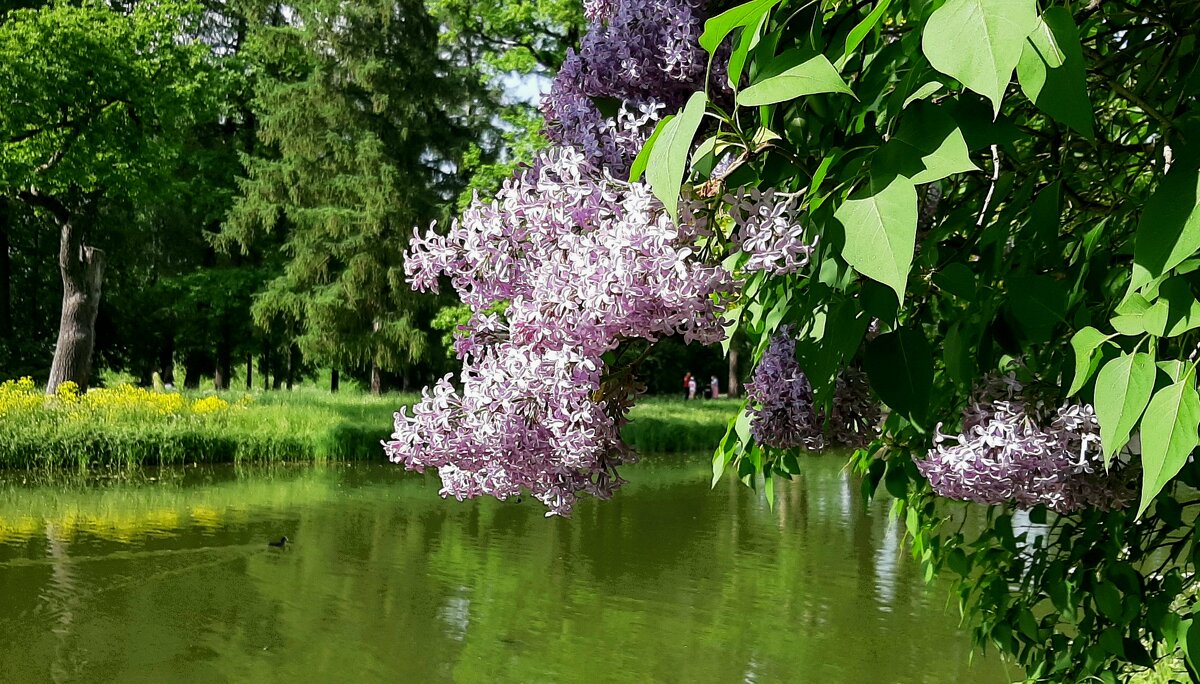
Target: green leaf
1122	390
928	146
1085	343
720	26
1038	303
1169	230
957	279
1191	642
860	31
899	365
816	75
1168	435
996	30
668	159
1051	71
922	93
643	155
844	330
749	38
960	352
1108	600
881	231
1183	311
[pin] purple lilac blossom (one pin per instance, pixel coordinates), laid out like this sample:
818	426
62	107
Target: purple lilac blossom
781	411
768	231
782	414
597	11
643	54
1013	449
583	261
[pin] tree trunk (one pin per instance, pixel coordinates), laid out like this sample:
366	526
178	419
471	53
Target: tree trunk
5	271
334	381
224	368
191	375
82	270
249	372
293	366
733	370
376	380
166	360
264	366
376	377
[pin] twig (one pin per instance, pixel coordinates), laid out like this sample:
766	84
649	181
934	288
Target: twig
991	188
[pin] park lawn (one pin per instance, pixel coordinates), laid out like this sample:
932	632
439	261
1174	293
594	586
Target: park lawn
128	426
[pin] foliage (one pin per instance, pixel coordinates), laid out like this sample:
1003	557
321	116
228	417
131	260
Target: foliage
966	207
981	227
97	99
357	125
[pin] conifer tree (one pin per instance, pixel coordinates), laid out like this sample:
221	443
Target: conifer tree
359	128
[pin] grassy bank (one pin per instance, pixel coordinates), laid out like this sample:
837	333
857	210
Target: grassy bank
130	426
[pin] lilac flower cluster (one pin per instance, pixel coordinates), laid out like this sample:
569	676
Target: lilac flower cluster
582	261
768	231
642	54
854	415
1012	448
782	412
596	11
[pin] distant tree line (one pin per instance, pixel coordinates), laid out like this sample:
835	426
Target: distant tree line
228	186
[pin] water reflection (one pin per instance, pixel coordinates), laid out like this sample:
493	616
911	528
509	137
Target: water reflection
152	580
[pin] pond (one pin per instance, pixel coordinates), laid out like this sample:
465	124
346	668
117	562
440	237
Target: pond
166	575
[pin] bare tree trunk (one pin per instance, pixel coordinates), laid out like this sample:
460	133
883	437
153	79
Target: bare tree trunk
194	369
334	381
376	379
5	271
166	359
249	372
82	270
733	370
224	368
264	365
376	376
293	365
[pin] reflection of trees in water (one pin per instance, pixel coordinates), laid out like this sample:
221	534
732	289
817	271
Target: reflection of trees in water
670	581
61	596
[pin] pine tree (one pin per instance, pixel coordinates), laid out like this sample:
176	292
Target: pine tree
358	135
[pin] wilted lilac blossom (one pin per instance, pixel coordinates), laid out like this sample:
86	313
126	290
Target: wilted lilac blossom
854	415
1012	449
583	261
643	55
769	232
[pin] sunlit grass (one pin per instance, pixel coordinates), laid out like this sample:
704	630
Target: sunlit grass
125	425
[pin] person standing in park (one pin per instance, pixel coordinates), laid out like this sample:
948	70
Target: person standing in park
714	388
691	387
687	384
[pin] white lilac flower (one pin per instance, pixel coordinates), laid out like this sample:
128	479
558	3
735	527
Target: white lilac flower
1013	449
769	232
583	261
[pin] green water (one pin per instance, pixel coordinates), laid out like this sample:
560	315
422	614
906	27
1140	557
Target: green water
170	579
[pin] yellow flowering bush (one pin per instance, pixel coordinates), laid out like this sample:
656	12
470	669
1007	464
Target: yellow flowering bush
121	401
209	405
19	395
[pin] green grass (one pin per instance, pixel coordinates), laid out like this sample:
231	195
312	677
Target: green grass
300	425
